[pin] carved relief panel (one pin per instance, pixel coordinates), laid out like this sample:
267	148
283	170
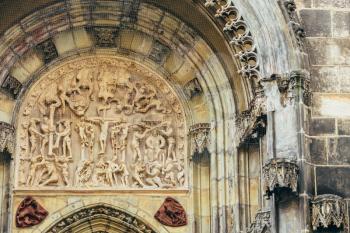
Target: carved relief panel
101	122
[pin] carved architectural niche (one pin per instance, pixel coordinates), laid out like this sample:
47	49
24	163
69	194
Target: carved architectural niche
30	213
6	137
11	86
104	36
115	217
193	88
261	223
200	137
171	213
329	210
239	34
251	124
280	174
48	50
159	52
100	122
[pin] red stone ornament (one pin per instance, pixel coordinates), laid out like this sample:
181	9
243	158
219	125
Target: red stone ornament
30	213
171	213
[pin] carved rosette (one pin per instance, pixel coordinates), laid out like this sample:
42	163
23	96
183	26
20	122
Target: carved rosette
171	213
6	137
262	223
30	213
101	122
200	137
280	174
328	210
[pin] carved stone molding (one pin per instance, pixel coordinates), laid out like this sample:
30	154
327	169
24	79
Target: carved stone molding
104	36
280	174
11	86
240	36
261	223
171	213
289	10
7	137
30	213
200	137
48	50
251	124
329	210
113	216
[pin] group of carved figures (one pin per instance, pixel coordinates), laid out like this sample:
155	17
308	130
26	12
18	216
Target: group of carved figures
144	153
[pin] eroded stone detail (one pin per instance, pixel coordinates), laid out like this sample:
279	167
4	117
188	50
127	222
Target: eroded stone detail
193	88
280	174
261	223
240	36
159	52
48	50
30	213
11	86
104	36
101	211
6	137
200	137
171	213
328	210
100	122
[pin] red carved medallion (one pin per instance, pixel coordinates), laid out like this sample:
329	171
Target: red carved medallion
30	213
171	213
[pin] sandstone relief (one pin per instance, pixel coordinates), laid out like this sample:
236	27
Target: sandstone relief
100	122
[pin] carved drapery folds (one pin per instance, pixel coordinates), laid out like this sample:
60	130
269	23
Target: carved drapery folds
239	34
280	174
101	122
30	213
328	210
261	223
171	213
200	137
120	219
6	137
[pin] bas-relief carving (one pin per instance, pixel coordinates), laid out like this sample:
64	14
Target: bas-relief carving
6	137
30	213
261	223
171	213
98	122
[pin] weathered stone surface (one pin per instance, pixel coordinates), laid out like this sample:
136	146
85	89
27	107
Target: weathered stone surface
330	3
317	23
325	79
333	180
339	151
343	126
321	126
341	23
318	151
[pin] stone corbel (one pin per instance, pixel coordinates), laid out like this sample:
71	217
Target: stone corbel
280	174
262	223
200	137
329	211
6	137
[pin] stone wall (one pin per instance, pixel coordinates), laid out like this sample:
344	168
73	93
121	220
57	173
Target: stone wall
326	24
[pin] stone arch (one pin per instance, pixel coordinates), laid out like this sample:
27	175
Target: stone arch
102	217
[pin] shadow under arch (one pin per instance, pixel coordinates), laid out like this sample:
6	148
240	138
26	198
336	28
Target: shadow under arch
101	218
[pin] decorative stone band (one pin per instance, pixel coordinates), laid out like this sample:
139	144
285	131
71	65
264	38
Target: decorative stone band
200	138
280	173
6	137
262	223
240	36
328	210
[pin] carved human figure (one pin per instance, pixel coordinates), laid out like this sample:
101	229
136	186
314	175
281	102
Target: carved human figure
119	135
84	172
124	174
35	163
138	173
62	164
49	174
34	135
87	138
146	99
181	172
106	87
136	141
168	172
168	131
155	144
64	131
45	129
101	172
153	172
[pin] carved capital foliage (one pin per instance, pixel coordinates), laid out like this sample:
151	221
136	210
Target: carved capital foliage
329	210
6	137
239	34
11	86
280	174
289	10
114	216
30	213
200	137
171	213
262	223
251	124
